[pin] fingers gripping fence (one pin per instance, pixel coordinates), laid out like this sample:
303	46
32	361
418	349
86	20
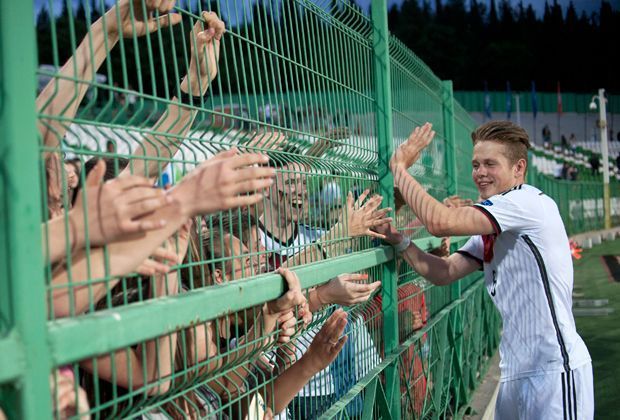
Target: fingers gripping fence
121	315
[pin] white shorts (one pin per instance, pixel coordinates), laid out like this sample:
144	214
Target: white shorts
561	396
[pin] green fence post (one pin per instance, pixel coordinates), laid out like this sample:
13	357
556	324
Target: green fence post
447	99
447	107
383	97
455	329
21	279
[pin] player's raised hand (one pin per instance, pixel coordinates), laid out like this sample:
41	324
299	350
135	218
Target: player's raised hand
409	152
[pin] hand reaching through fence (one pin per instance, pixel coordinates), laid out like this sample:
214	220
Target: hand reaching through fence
136	17
159	262
345	289
169	255
69	400
117	208
325	346
359	218
205	54
162	141
218	184
226	181
105	212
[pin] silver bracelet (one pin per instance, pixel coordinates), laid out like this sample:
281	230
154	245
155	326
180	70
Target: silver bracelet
402	245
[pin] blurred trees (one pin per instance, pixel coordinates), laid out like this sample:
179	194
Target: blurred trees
470	42
467	41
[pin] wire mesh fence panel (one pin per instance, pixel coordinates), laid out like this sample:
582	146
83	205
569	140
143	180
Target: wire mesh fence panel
204	176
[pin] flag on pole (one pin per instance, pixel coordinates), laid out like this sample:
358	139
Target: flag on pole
559	100
508	100
534	100
487	101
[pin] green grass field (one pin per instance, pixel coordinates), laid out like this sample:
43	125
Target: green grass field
601	333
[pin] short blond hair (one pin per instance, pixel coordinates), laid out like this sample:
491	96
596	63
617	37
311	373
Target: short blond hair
511	135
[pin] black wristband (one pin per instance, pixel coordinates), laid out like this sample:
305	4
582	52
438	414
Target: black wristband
188	99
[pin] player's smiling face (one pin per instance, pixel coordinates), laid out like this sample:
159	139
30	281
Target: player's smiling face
493	173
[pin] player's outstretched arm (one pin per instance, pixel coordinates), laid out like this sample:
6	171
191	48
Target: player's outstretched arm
438	219
439	271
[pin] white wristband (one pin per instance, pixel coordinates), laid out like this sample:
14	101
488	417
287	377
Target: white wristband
402	245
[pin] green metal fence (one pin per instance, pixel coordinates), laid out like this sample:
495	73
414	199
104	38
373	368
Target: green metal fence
327	93
580	202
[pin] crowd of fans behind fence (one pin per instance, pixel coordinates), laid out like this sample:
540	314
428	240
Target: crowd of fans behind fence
114	235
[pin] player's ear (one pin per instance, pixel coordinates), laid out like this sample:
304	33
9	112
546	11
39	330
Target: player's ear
519	168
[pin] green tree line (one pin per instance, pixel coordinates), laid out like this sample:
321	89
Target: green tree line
461	40
470	43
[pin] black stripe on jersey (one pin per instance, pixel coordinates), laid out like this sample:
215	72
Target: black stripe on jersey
547	287
574	394
564	395
568	396
491	218
468	255
516	187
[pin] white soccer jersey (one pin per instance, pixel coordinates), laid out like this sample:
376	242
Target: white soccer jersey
302	237
529	274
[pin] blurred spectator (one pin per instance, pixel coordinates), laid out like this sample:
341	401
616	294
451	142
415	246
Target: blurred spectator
573	172
558	170
565	170
546	133
595	163
110	147
572	142
118	95
132	98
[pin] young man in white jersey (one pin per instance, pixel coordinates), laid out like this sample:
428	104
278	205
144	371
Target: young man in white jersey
520	242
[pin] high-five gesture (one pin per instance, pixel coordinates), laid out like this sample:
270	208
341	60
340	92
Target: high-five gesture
361	217
409	152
